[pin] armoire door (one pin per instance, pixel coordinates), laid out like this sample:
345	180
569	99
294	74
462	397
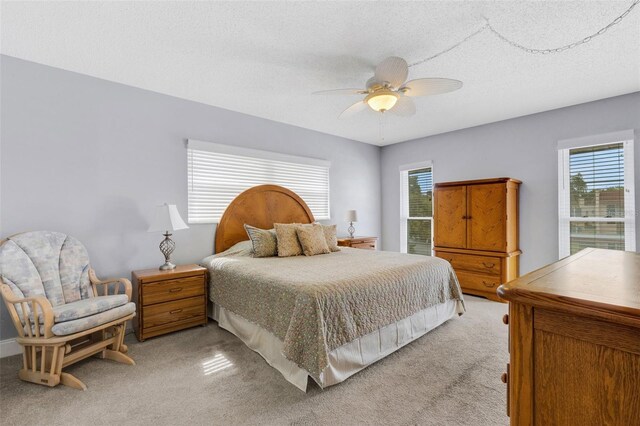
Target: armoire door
450	217
486	217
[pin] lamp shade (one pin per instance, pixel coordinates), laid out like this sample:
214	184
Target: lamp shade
351	216
166	218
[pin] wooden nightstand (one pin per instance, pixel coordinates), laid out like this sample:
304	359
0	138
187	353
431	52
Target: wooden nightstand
367	243
169	300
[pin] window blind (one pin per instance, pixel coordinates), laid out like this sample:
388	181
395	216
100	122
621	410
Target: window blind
417	207
596	200
218	173
420	193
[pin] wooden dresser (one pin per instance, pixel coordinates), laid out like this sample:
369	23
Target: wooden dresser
367	243
476	230
169	300
574	341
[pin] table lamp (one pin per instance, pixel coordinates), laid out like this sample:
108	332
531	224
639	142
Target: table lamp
167	219
352	216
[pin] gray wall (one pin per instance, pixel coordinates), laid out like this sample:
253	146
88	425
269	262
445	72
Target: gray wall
92	158
524	148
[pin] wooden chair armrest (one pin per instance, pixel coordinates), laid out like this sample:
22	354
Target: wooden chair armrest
121	285
39	306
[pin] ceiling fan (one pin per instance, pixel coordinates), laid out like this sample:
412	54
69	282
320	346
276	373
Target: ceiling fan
388	91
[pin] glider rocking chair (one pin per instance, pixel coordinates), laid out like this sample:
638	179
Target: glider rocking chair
62	312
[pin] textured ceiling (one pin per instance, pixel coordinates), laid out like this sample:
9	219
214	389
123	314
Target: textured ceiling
266	58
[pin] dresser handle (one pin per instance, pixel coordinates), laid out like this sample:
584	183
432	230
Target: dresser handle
505	319
372	246
175	290
177	311
488	264
490	285
464	217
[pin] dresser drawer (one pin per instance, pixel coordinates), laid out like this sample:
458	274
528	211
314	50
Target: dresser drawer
169	312
473	263
164	291
480	282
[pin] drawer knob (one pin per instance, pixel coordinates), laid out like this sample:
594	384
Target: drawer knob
505	319
175	290
488	264
504	378
176	311
489	285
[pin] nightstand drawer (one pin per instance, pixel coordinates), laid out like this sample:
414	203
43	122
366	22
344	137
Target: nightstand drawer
165	291
169	312
367	245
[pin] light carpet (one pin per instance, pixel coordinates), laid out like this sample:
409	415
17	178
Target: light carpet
205	375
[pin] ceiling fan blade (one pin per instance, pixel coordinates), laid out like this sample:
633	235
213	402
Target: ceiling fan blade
392	70
341	92
430	86
353	109
405	107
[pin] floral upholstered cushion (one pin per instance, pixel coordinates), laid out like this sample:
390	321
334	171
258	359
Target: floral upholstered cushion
45	263
288	244
82	324
75	326
84	308
265	243
312	239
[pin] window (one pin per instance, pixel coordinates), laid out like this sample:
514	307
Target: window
218	173
416	226
596	195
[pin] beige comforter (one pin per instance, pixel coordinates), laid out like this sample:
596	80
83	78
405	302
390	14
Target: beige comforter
319	303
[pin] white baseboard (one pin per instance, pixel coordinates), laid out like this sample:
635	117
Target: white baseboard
9	347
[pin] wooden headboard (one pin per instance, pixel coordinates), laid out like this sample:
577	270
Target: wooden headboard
260	206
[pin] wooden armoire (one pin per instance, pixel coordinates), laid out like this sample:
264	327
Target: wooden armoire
476	230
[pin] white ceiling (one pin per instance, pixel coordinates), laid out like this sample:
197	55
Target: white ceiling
265	59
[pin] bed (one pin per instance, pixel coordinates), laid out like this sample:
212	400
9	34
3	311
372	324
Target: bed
324	317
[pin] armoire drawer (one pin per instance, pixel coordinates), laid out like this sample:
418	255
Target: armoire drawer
473	263
480	282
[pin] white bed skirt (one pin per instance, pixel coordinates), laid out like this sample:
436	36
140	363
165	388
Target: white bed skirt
346	360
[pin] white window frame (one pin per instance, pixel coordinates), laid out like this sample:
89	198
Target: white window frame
625	137
271	160
404	200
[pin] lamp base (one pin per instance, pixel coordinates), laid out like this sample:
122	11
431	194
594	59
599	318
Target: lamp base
351	230
168	266
166	247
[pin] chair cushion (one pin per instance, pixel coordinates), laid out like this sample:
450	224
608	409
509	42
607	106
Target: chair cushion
44	263
82	324
84	308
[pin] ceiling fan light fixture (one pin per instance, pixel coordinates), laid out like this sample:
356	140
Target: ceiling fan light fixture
382	100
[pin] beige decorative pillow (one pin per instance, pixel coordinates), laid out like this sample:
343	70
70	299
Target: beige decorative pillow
331	235
265	243
288	244
312	239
